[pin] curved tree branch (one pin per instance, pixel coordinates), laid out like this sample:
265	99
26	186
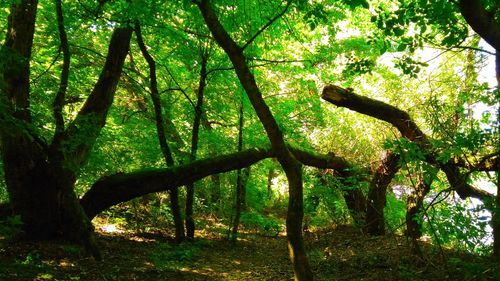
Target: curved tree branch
408	129
117	188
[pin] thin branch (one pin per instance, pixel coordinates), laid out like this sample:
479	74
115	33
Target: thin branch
437	47
58	103
280	61
289	2
179	88
48	68
88	49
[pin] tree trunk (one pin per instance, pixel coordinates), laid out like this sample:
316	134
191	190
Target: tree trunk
165	149
198	112
40	178
375	222
356	203
289	163
414	205
408	129
496	214
240	185
271	174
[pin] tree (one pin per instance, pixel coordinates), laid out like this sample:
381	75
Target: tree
41	175
286	53
452	20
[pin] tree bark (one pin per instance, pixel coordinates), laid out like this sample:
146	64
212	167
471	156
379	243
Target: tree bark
496	214
356	203
414	205
408	129
114	189
198	112
271	174
17	52
290	165
240	185
58	104
160	130
111	190
485	23
388	167
40	178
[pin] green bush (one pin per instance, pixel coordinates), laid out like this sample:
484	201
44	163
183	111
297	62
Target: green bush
268	226
174	256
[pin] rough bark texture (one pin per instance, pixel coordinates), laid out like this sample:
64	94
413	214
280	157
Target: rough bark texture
21	155
17	52
290	165
160	130
414	205
388	167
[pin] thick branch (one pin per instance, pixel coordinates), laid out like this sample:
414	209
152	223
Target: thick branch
482	22
374	108
488	163
117	188
402	121
313	159
80	135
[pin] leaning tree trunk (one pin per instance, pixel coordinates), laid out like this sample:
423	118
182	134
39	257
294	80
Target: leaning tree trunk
111	190
414	205
388	167
409	130
289	163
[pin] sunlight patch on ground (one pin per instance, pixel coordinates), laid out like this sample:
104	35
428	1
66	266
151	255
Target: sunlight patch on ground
66	263
111	228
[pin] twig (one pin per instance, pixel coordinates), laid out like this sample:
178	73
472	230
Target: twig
271	21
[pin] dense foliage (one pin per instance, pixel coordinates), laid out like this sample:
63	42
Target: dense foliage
423	57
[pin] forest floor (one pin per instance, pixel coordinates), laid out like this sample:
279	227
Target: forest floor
341	253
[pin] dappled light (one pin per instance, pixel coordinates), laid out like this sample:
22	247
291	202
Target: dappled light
249	140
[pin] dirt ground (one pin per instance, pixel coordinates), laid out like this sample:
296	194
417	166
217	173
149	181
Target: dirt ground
341	253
